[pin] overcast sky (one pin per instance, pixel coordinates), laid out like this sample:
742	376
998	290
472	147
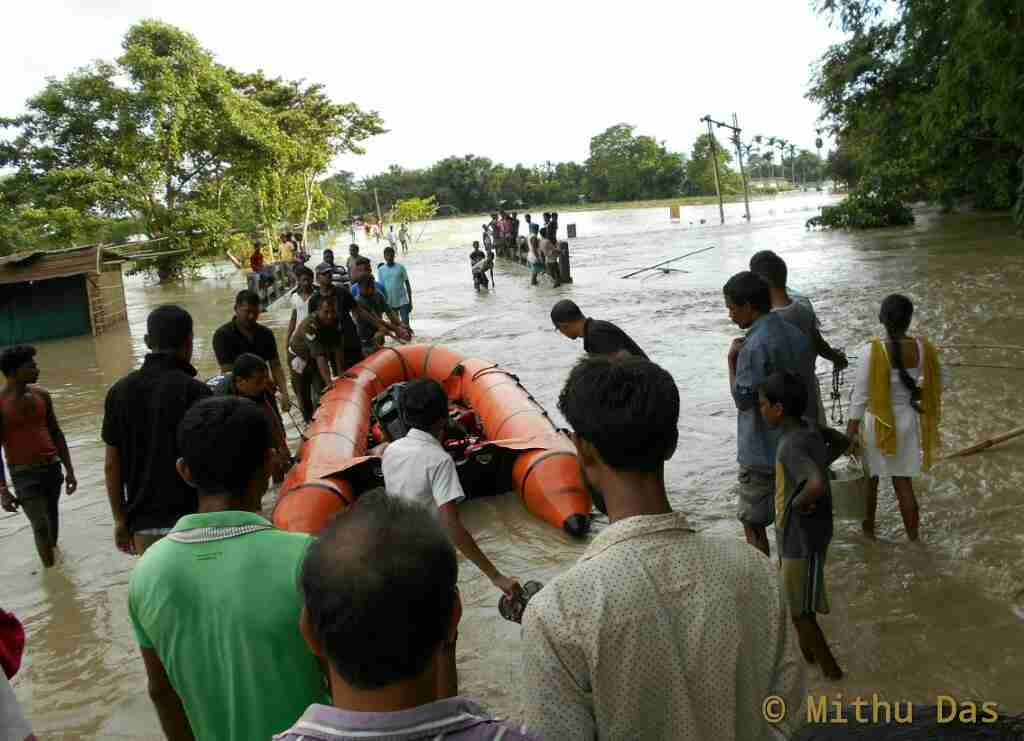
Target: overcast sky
520	82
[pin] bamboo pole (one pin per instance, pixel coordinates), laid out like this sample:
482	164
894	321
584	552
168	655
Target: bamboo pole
666	262
984	444
743	174
1015	348
714	160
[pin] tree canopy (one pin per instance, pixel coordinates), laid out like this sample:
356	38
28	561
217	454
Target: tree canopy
925	99
167	143
701	168
626	167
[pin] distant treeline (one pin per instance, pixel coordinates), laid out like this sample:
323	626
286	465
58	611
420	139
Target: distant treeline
622	166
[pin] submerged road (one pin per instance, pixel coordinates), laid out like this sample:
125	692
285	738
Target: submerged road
909	621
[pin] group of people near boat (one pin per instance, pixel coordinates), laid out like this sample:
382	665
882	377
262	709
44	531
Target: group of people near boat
657	632
346	316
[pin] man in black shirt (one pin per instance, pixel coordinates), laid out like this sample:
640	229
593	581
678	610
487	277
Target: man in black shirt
243	334
599	337
370	319
479	266
346	306
140	424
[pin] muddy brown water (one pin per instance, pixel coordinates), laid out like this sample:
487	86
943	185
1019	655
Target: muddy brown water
909	621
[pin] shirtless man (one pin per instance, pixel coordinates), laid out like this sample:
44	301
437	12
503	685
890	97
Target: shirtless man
35	448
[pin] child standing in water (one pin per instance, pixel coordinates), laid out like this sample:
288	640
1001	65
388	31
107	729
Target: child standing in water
250	378
803	506
898	396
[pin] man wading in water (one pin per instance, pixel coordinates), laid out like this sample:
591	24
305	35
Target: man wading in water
244	334
599	337
771	345
140	425
35	448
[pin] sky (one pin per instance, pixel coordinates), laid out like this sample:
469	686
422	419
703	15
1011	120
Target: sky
524	82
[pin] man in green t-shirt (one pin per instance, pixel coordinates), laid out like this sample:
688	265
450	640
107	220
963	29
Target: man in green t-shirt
215	605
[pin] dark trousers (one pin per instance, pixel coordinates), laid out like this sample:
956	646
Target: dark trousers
555	273
300	383
38	490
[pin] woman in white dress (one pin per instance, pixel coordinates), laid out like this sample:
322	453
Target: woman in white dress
899	405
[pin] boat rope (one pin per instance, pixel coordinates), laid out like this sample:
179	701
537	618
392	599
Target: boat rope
838	381
980	365
530	397
482	371
401	358
540	459
300	427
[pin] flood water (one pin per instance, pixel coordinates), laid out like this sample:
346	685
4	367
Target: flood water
909	621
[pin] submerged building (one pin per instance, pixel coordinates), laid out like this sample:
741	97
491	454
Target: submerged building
64	293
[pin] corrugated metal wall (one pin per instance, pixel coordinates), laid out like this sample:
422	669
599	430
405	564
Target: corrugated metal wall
43	310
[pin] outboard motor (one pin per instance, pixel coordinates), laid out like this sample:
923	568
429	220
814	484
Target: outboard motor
221	385
387	409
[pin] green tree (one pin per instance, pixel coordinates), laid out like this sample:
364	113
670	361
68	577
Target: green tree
172	143
310	131
841	167
807	166
463	182
412	210
145	138
926	96
343	197
701	170
626	167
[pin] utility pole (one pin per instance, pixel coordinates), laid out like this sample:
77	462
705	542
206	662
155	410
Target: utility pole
380	216
739	153
714	161
817	143
735	128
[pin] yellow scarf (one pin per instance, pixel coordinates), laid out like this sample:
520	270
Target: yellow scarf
880	400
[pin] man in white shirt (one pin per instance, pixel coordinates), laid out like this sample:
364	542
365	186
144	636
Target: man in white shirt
658	632
416	467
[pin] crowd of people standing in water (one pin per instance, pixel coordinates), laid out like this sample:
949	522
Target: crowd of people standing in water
658	631
544	249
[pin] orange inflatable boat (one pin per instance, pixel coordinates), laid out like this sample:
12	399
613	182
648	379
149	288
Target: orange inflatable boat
508	442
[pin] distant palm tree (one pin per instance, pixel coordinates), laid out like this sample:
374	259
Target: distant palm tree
745	150
772	142
769	159
792	160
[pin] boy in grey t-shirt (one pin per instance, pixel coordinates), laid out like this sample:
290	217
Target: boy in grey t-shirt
803	505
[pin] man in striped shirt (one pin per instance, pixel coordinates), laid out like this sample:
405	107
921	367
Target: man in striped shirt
382	609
